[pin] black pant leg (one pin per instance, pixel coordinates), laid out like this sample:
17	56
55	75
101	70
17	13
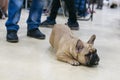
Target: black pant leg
54	9
71	10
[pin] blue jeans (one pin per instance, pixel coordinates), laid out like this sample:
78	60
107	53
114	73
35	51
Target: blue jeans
81	7
14	12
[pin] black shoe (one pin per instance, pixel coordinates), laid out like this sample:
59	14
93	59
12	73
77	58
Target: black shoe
100	7
6	15
12	36
48	23
97	7
35	33
73	26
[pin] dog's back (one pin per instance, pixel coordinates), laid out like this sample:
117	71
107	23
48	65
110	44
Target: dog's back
58	32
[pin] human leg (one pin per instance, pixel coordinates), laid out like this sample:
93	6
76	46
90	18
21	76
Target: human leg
34	20
53	14
14	11
99	4
72	21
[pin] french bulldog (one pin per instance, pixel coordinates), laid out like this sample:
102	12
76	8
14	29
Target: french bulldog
71	49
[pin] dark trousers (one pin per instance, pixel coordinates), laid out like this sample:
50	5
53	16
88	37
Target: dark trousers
70	6
99	3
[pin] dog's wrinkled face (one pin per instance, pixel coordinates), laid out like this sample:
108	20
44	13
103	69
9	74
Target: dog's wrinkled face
87	54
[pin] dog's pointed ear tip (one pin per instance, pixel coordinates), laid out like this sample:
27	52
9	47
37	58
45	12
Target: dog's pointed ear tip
94	35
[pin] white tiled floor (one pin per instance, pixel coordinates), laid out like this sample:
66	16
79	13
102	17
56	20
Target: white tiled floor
32	59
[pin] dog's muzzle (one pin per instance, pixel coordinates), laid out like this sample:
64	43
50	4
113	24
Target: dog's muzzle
93	60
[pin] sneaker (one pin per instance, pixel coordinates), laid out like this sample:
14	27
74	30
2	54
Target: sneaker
35	33
80	15
48	23
12	36
6	15
73	26
99	7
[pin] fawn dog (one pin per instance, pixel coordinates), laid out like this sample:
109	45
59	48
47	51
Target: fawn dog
71	49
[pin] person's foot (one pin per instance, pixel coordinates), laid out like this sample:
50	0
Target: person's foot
48	23
73	26
80	15
35	33
6	15
12	36
99	7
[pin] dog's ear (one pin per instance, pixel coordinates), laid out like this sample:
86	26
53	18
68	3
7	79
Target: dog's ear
79	46
92	39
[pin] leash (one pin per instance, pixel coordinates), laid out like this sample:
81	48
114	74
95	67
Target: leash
91	11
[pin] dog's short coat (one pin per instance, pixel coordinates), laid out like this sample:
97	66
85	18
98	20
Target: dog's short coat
71	49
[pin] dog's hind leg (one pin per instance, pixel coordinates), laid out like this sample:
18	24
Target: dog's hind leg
51	40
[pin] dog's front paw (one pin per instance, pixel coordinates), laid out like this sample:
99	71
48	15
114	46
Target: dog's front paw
74	63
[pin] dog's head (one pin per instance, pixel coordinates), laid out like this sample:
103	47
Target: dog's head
86	53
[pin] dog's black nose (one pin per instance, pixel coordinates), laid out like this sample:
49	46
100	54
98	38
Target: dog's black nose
94	60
